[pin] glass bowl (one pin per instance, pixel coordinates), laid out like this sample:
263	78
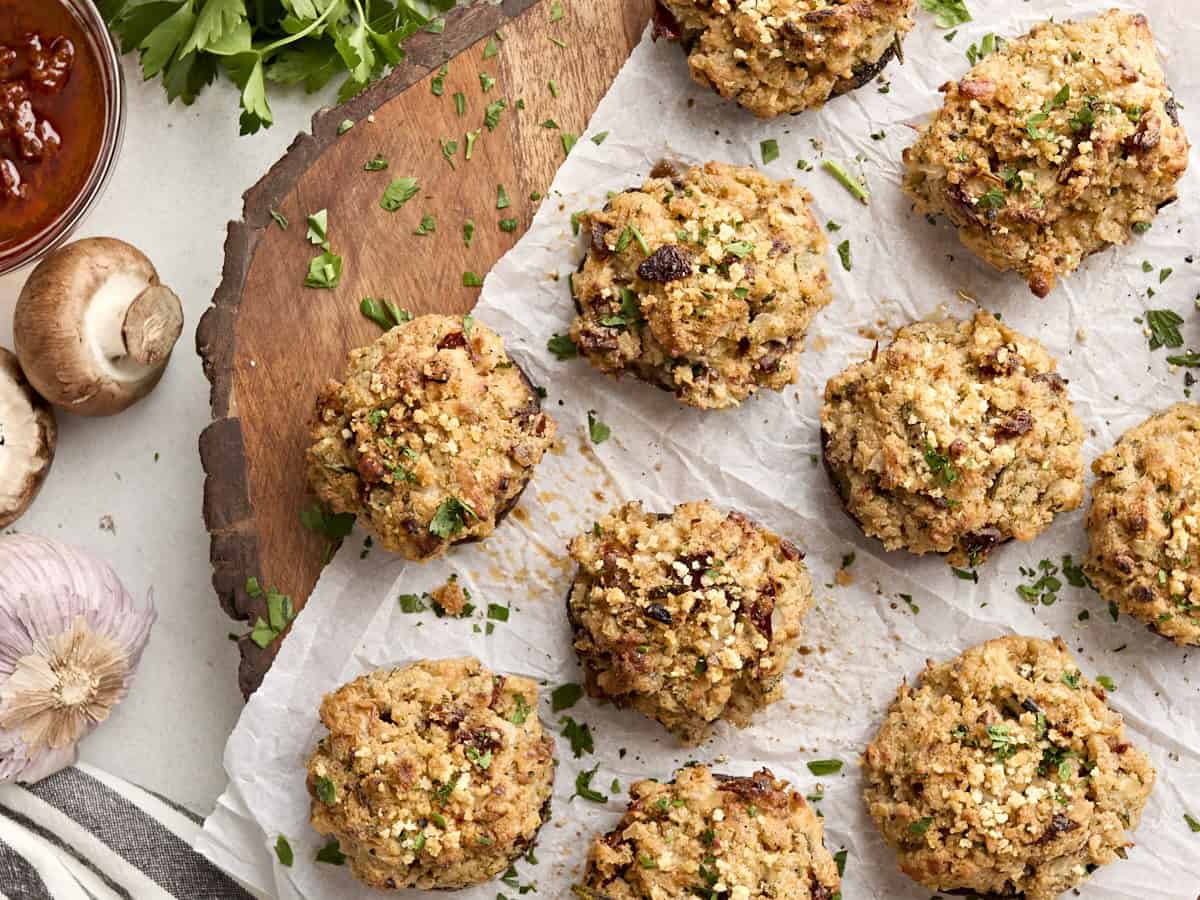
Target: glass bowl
31	247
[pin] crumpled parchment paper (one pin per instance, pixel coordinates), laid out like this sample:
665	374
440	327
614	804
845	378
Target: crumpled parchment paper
861	639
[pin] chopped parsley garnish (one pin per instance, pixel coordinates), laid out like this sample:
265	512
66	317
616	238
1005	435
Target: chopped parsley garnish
332	854
1070	679
630	314
450	518
428	225
468	231
907	598
280	219
520	711
1141	227
840	859
334	526
280	612
460	103
491	114
580	736
483	760
384	313
412	603
940	465
843	251
740	249
770	150
597	430
584	789
1003	743
318	226
1106	682
1192	822
491	48
1044	589
399	192
324	271
283	851
988	44
508	225
1164	328
947	13
486	82
437	85
565	696
562	347
599	137
921	825
449	148
502	201
965	574
569	140
1191	359
472	279
326	791
825	766
498	613
854	187
992	199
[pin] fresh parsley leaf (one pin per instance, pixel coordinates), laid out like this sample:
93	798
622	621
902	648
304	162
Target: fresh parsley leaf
520	711
486	82
332	854
597	430
740	249
565	696
280	219
283	851
840	859
428	225
334	526
508	225
399	192
491	114
468	231
947	13
437	86
1106	682
821	767
502	201
1192	823
491	48
770	150
580	736
940	465
318	225
472	279
1191	359
556	10
991	199
326	791
324	271
412	603
562	347
583	787
599	138
377	163
569	140
921	825
1164	328
450	518
843	251
460	103
384	313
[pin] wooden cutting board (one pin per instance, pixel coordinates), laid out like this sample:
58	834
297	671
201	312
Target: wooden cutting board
268	343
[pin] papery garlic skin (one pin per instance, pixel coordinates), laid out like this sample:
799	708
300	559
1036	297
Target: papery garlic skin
71	638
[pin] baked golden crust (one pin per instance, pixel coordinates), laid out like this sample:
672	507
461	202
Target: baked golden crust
1055	146
956	437
703	282
434	775
711	835
784	56
689	617
430	437
1144	523
1004	772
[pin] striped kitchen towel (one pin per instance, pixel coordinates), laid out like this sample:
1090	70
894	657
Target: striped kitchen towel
83	834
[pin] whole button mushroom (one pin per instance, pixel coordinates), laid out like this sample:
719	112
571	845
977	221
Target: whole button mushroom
27	437
94	328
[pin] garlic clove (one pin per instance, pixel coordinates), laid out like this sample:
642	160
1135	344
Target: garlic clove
71	637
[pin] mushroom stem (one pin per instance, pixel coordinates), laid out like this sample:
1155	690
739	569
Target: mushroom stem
153	323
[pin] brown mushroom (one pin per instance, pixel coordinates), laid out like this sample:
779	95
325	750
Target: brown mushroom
27	437
94	328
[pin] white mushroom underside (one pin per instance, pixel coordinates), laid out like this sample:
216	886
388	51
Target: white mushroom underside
103	324
20	441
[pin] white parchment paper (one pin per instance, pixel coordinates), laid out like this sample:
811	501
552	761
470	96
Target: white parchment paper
862	639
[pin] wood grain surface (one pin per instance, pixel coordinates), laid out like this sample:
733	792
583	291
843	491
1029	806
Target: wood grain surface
268	343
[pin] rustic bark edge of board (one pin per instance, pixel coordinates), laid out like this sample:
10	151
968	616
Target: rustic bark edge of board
233	548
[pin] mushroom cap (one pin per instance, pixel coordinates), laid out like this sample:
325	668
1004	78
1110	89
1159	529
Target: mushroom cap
28	434
94	327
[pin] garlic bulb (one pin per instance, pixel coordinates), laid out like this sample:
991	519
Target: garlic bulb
71	637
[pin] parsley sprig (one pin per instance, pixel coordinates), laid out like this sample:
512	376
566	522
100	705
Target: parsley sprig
187	43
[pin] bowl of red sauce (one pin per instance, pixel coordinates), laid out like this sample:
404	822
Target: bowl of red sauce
62	115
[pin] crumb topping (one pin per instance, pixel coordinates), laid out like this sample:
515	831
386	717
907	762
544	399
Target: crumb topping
703	282
688	617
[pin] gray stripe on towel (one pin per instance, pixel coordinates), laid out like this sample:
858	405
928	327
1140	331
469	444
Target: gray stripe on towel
19	879
50	837
138	838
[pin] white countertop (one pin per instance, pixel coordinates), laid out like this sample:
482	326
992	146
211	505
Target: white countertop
179	179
